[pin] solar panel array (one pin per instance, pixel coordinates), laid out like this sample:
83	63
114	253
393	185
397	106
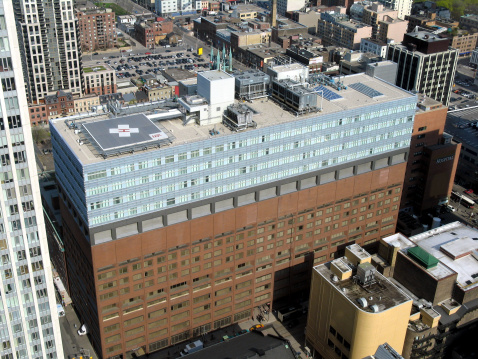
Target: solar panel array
366	90
327	94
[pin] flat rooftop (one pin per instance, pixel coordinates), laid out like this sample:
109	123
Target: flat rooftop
458	124
266	113
97	68
382	292
425	36
215	75
456	247
288	67
398	241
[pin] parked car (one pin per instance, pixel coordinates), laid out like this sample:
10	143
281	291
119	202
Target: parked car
450	208
469	191
255	327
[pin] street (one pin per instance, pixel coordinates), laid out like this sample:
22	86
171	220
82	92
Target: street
74	344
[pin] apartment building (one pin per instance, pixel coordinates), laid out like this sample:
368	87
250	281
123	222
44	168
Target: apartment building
29	320
165	7
464	42
404	7
284	6
97	28
338	30
50	47
469	21
374	13
426	64
213	226
99	80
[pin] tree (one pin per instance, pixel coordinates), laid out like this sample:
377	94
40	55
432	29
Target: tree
40	134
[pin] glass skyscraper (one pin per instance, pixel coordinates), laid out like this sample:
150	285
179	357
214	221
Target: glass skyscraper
29	325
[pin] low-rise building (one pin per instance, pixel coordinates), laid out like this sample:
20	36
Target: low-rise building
150	32
257	56
99	80
469	21
246	11
86	103
437	269
156	93
97	28
355	62
287	28
58	105
373	46
309	57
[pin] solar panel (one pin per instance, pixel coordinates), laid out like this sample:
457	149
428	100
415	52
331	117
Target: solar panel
327	94
366	90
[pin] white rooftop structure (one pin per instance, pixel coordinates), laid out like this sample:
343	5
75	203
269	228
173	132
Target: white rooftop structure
398	240
456	247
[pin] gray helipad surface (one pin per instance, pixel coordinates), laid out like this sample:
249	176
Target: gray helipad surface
119	132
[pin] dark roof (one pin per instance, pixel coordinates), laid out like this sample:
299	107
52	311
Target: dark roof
245	346
141	95
113	96
60	93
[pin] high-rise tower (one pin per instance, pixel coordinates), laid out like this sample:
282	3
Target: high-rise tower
29	326
49	44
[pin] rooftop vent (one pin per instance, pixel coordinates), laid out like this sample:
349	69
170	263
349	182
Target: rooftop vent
363	302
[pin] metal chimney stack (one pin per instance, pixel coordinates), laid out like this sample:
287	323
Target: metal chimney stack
274	13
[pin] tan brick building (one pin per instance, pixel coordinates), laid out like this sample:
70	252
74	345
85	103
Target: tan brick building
86	103
156	93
